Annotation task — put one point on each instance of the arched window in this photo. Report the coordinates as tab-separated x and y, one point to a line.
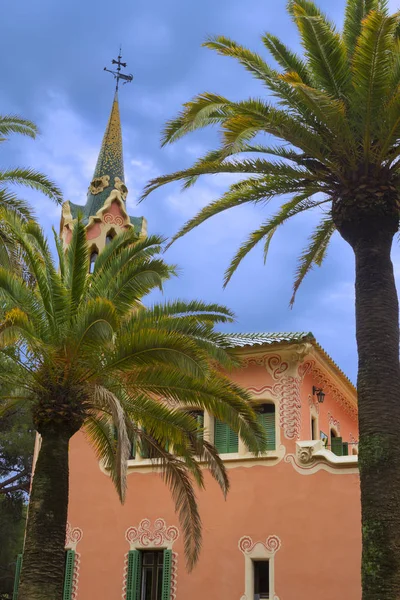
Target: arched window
266	417
93	257
110	236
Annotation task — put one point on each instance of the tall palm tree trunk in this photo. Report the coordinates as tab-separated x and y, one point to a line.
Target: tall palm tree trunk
43	563
377	331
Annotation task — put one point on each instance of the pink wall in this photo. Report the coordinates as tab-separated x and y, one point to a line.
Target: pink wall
316	516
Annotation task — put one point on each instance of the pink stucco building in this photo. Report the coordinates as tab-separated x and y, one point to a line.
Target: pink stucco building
290	527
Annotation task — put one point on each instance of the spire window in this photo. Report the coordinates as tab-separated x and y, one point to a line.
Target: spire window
110	236
93	257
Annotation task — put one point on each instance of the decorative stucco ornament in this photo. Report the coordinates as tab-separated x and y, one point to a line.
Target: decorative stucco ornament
121	187
98	184
305	454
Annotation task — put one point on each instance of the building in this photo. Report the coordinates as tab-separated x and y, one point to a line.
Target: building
290	527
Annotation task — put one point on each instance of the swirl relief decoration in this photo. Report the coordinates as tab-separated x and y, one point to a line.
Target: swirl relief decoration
73	536
159	535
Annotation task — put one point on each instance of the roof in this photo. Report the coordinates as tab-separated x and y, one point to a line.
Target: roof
240	340
249	340
110	163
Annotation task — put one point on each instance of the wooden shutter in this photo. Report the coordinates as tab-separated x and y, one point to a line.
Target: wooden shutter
166	582
233	440
345	448
134	575
18	567
225	440
337	445
267	421
221	437
68	574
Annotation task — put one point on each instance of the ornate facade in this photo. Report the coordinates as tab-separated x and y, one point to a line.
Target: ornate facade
290	527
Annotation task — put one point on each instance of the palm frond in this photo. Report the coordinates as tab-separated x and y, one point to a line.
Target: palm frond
16	124
32	179
314	253
298	204
324	47
287	59
372	72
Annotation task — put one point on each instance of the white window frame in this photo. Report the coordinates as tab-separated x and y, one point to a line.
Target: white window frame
258	551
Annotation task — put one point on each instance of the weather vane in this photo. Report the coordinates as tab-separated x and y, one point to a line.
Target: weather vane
117	74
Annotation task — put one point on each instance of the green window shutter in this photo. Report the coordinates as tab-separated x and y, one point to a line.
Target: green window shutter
225	440
18	567
166	582
134	575
68	574
221	437
337	446
345	448
233	441
267	421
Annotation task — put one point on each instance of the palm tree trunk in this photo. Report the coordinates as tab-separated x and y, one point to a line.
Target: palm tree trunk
377	329
42	576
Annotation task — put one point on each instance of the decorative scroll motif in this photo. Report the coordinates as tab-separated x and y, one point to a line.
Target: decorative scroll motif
305	454
276	366
333	422
288	391
98	184
144	536
272	544
113	219
353	440
313	466
313	403
261	390
323	381
250	550
72	538
305	367
121	187
174	576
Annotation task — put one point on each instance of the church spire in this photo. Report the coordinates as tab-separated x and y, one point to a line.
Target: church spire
105	205
109	171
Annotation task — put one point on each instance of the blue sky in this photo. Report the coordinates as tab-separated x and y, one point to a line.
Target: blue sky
53	54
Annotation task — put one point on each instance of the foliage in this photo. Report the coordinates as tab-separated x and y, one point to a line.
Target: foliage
10	253
12	526
169	351
16	449
333	118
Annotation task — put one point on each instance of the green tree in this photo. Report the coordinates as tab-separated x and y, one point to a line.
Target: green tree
12	526
91	356
16	449
336	121
10	254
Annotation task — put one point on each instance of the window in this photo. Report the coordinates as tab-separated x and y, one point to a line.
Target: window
313	428
261	579
226	441
266	417
110	236
339	447
149	575
198	416
93	258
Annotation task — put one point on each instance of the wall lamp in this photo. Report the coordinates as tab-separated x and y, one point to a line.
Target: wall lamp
319	392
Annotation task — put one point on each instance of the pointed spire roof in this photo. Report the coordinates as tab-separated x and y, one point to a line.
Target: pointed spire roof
109	171
110	162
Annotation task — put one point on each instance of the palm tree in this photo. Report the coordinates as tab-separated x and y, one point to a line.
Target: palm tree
335	120
50	360
26	177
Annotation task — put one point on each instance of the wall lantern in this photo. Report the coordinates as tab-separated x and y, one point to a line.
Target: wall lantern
319	392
